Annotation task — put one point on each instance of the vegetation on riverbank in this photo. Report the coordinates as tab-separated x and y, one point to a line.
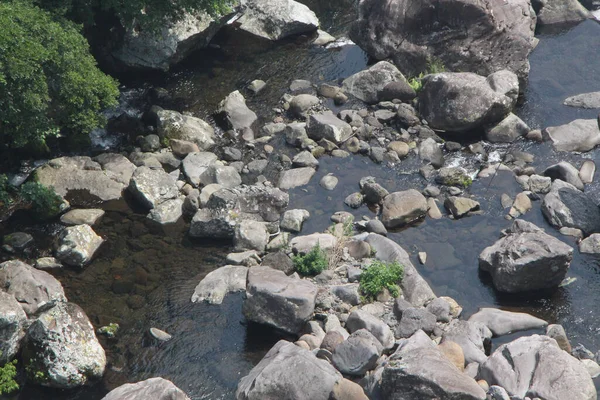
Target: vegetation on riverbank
379	276
43	202
8	372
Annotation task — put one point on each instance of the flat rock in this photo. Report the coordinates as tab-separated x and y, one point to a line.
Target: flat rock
584	100
218	283
295	177
414	319
304	244
502	322
401	208
460	206
153	388
580	135
82	216
151	187
328	126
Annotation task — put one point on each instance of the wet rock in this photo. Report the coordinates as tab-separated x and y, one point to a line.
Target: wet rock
277	300
302	103
256	86
295	177
521	205
414	288
565	206
433	212
77	245
453	176
275	20
561	12
366	85
409	374
500	35
220	282
557	332
526	259
328	126
472	337
151	187
441	309
173	125
401	208
251	235
167	212
153	388
507	130
363	320
295	134
82	216
358	354
581	353
304	159
535	366
293	219
17	241
579	135
414	319
565	172
61	349
584	100
288	371
459	102
328	182
429	151
460	206
104	179
374	192
323	38
13	321
160	335
504	322
399	89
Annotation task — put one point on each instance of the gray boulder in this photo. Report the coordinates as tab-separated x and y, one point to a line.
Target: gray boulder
274	299
12	327
401	208
526	259
357	354
235	113
218	283
151	187
301	103
473	337
565	172
195	165
507	130
463	101
460	206
328	126
579	135
305	159
223	175
275	20
251	235
167	212
502	322
419	371
304	244
293	219
77	245
360	319
289	372
82	216
565	206
366	85
61	349
535	366
413	320
104	179
591	244
584	100
498	35
153	388
414	288
173	125
561	12
430	151
295	177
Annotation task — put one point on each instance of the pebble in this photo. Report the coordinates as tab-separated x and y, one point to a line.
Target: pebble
422	257
160	335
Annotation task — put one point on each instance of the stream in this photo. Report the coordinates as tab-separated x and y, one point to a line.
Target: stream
144	276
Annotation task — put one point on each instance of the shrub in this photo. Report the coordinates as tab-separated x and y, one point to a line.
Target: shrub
7	378
312	263
45	203
434	66
379	276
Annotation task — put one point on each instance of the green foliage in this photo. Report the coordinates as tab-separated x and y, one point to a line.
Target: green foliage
7	378
312	263
145	14
109	330
5	197
434	66
43	201
379	276
49	82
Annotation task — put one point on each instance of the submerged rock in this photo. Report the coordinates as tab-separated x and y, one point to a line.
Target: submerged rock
153	388
77	245
579	135
61	349
584	100
220	282
526	259
82	216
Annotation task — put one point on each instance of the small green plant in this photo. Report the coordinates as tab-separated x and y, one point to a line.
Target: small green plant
312	263
434	66
379	276
36	375
7	377
45	203
109	330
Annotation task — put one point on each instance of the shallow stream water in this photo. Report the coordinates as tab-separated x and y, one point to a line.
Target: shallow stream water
144	275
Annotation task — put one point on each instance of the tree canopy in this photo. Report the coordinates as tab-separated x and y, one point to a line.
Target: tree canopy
49	81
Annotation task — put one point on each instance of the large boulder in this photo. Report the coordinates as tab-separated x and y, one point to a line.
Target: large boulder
151	187
418	370
12	327
289	372
401	208
235	113
173	125
462	101
34	290
277	19
295	177
526	259
77	245
534	366
61	349
502	322
477	36
103	179
414	288
565	206
153	388
366	85
579	135
566	172
172	43
274	299
358	354
561	12
218	283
